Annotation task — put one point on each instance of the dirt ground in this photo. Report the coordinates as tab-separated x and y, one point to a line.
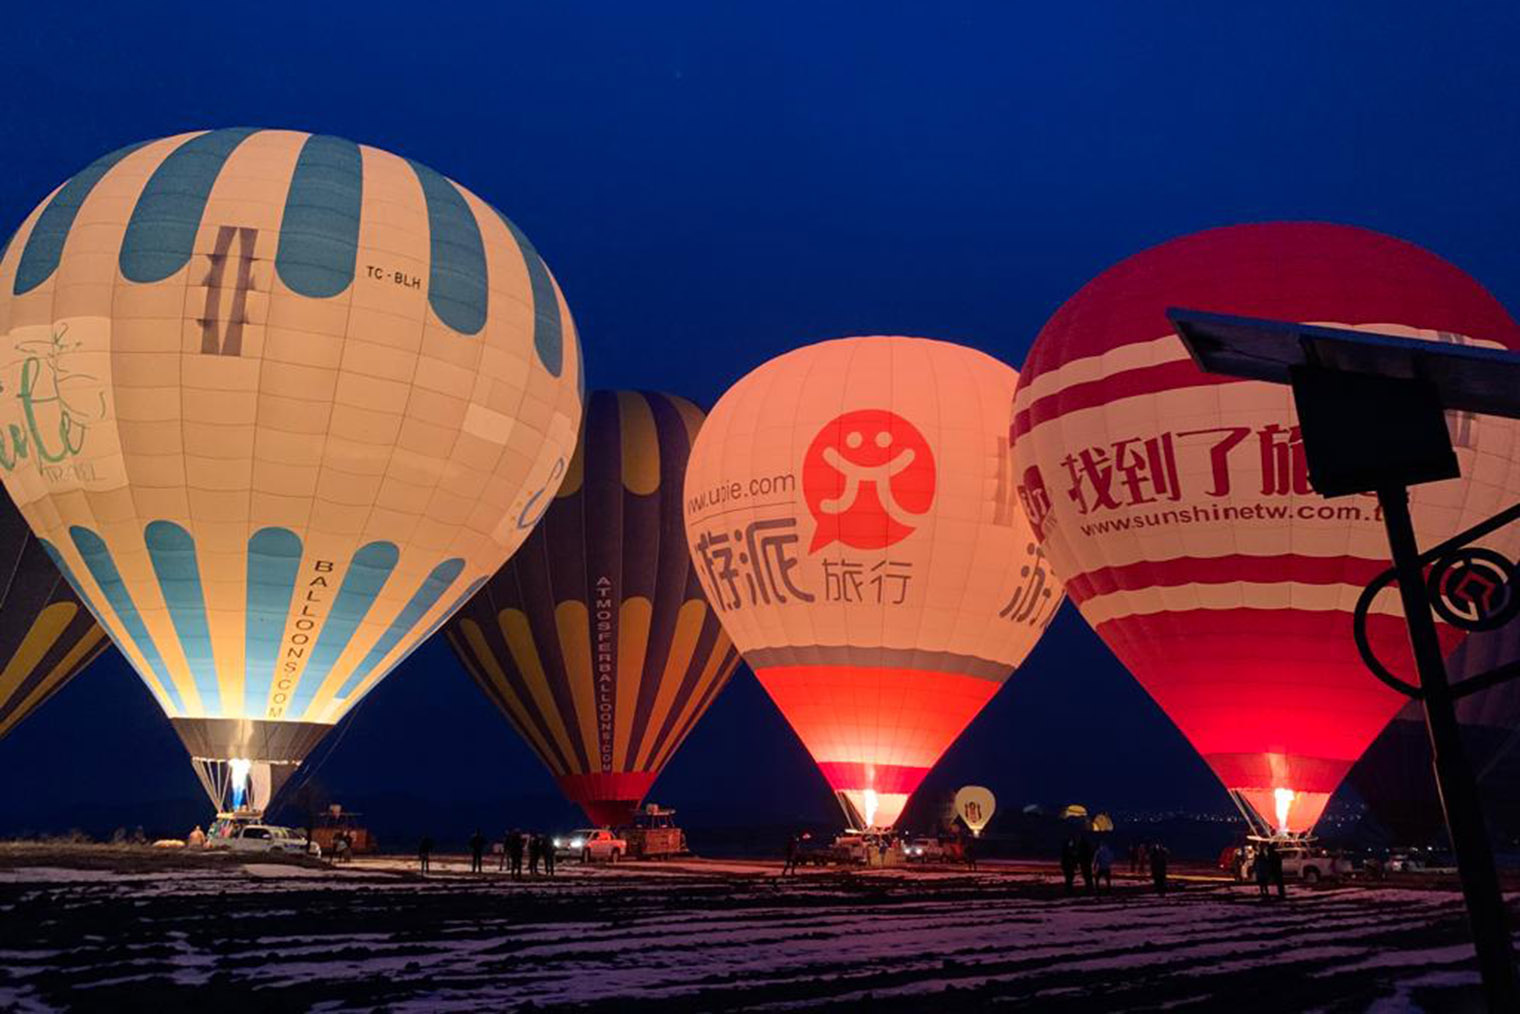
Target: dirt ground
94	928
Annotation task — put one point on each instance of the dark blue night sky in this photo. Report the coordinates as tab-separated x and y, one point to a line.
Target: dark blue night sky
715	183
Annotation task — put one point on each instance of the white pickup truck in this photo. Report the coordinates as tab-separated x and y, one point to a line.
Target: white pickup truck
1306	863
592	845
266	838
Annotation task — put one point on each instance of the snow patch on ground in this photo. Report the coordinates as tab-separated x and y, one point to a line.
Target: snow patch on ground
692	935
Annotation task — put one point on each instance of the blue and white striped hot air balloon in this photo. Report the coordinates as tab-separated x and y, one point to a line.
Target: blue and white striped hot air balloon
276	403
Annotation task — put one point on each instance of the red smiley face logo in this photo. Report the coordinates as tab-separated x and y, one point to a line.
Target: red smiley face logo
868	479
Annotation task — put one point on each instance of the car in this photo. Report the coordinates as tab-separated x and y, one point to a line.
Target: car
925	850
1420	861
591	845
867	848
265	838
813	851
1308	863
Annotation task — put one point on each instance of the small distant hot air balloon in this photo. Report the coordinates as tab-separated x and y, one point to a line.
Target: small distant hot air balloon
276	404
975	805
46	636
851	510
595	639
1176	505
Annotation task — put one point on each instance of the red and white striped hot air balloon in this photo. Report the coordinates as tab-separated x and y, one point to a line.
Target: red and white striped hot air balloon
1177	509
851	512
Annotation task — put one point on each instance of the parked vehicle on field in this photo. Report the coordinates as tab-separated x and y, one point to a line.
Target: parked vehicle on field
267	838
654	834
591	845
813	851
924	849
1304	861
865	848
1420	860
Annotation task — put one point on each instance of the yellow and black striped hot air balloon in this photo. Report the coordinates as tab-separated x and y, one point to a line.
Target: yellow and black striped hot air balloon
276	404
46	636
596	640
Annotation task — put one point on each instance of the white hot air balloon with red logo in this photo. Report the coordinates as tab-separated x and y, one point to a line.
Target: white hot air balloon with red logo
1176	505
851	511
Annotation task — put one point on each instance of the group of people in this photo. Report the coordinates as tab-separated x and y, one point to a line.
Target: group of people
121	836
1267	869
535	846
1150	857
515	847
1096	864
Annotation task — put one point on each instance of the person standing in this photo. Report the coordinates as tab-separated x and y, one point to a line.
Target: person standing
1277	874
515	853
1069	863
1103	863
546	846
1261	870
425	852
477	852
535	853
793	847
1158	867
968	851
1085	860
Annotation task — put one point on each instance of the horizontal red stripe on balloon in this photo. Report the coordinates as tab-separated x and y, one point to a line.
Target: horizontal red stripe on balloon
1278	771
1286	635
1308	271
608	798
843	775
1186	570
1173	376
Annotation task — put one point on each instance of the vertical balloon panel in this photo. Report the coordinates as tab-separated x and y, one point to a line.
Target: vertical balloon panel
277	403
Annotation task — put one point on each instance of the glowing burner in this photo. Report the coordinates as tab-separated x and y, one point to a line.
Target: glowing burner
1284	800
871	805
240	767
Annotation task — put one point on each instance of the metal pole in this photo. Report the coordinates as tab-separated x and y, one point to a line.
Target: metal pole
1454	778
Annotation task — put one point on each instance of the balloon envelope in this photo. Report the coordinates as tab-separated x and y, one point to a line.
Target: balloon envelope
975	805
850	508
1177	509
595	639
276	403
46	636
1394	777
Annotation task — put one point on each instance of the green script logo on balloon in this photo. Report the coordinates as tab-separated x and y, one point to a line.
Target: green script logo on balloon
56	413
